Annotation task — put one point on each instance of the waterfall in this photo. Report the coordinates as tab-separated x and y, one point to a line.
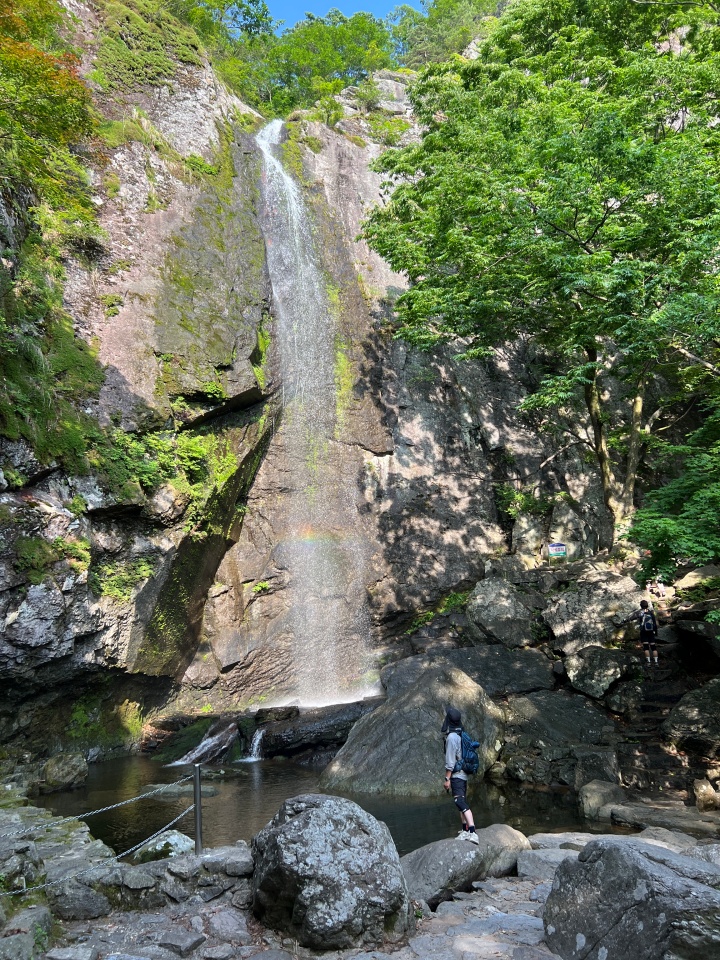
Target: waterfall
210	747
255	751
323	550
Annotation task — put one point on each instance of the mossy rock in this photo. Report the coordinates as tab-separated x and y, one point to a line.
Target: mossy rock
180	743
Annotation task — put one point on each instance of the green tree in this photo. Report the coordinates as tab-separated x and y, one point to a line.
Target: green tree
567	189
446	27
333	49
677	523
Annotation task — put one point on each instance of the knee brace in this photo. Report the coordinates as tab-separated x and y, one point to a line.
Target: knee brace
462	804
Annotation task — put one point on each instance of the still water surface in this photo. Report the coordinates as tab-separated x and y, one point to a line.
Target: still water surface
251	796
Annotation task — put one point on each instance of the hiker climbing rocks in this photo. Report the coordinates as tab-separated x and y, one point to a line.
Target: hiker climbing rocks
455	777
648	630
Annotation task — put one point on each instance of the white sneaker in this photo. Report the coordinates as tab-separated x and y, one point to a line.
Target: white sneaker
472	837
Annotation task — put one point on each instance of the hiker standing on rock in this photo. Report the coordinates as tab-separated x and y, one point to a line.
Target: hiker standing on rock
648	630
455	778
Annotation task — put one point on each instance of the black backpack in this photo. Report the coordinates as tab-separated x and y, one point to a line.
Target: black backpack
470	761
646	622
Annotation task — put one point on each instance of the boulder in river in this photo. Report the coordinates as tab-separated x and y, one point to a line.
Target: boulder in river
171	843
309	733
64	772
558	737
328	874
633	901
593	796
398	749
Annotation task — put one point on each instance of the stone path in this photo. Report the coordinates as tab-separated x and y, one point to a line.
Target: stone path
498	920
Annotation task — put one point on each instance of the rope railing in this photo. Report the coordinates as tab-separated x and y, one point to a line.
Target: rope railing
91	813
103	864
97	866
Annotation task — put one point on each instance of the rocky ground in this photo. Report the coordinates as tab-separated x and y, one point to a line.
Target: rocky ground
508	897
499	918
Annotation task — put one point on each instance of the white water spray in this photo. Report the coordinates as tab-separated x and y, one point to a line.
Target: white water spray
255	748
324	552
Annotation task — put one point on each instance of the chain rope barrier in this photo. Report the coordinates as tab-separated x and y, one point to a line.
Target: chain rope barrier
92	813
105	863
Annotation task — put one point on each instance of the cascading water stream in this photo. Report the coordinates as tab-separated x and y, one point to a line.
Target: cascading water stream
210	747
323	552
255	748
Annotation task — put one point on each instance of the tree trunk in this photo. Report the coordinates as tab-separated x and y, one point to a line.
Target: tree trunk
634	450
594	407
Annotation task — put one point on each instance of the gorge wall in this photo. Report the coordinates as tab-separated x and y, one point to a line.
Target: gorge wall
161	580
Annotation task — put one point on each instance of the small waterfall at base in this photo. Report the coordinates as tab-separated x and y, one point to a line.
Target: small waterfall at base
255	749
324	551
214	743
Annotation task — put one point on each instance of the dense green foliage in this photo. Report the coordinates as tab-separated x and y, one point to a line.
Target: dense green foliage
44	109
445	27
678	522
312	60
567	189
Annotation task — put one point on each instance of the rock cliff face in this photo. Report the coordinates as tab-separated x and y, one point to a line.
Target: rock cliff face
161	578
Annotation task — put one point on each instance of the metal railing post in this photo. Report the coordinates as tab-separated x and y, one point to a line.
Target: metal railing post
198	809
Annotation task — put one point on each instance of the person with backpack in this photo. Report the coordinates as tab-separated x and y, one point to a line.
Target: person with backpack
648	630
455	776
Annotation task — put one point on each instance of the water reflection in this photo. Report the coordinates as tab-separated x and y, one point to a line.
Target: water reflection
251	797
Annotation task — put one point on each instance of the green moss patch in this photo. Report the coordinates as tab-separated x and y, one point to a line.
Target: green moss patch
142	44
119	578
449	604
34	555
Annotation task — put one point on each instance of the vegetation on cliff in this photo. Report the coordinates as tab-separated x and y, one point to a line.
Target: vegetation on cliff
566	189
45	109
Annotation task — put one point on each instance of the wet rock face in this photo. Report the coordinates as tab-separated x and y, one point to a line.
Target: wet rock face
328	874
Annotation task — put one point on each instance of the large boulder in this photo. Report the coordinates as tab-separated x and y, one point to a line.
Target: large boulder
633	901
398	749
593	670
63	772
434	872
497	614
708	633
328	874
498	670
706	796
596	794
552	736
590	611
694	722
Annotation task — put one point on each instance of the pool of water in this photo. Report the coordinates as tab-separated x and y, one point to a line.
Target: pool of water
252	793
